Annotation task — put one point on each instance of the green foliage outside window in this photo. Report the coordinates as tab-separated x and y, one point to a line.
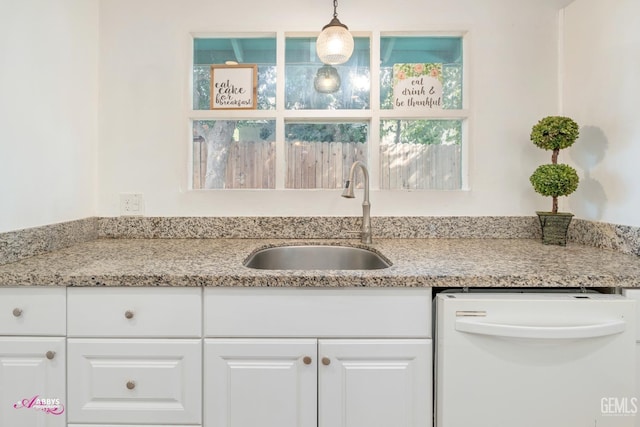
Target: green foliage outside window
327	132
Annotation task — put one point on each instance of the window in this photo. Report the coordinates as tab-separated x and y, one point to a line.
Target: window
244	154
306	136
302	66
319	155
421	153
209	51
230	151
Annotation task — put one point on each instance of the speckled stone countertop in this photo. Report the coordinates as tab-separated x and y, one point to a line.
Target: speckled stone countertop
416	263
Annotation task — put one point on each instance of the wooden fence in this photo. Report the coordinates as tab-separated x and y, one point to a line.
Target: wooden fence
327	164
420	167
249	165
321	164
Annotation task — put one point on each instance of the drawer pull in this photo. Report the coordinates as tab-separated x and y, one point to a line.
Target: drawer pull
306	360
17	312
131	385
128	314
326	361
50	354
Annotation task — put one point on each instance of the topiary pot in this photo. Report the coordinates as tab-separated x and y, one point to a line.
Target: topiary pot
554	227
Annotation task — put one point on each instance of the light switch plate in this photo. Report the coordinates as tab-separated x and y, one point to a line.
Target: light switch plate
131	204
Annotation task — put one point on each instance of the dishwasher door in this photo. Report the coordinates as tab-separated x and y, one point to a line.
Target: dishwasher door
535	360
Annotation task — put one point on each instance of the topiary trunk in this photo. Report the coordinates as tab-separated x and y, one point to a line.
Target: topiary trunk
554	160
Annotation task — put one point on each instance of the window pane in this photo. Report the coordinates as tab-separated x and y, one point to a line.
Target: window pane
301	70
233	154
420	154
261	51
446	51
319	155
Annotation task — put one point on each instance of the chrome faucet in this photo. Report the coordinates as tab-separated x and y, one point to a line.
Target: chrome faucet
365	234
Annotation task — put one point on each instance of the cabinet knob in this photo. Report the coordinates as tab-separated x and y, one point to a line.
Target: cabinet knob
306	360
128	314
50	354
326	361
131	385
17	312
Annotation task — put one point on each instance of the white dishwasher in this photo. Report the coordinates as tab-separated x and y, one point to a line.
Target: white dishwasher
534	360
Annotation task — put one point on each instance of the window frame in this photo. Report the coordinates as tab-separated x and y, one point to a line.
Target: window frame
374	115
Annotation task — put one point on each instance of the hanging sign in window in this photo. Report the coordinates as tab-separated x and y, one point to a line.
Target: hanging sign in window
417	86
233	87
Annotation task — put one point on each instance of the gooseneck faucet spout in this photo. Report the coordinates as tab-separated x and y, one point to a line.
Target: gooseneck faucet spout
365	234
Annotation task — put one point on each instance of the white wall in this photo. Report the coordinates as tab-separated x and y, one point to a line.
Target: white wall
48	111
601	91
144	96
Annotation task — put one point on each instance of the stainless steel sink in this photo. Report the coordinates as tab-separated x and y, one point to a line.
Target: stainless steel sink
316	257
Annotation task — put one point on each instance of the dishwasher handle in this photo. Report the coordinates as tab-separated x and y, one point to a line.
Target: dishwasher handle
474	326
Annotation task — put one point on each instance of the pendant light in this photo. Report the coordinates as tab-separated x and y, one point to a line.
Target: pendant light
335	43
327	80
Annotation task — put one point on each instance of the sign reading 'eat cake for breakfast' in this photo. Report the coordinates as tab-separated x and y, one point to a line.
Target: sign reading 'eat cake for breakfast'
233	87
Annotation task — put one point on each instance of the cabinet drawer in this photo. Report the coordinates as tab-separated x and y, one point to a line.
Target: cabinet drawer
134	381
135	312
304	312
33	311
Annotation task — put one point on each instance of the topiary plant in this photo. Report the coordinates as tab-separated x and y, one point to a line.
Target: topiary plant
554	180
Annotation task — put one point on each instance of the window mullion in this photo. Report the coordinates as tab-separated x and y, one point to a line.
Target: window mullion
281	164
374	125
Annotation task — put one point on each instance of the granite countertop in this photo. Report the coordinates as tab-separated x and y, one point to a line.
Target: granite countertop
416	263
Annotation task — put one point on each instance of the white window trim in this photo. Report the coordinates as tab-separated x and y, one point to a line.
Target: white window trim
373	116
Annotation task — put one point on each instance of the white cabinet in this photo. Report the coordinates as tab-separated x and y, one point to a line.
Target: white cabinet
32	357
260	382
374	383
36	311
286	357
302	362
302	382
635	294
32	381
313	312
134	381
136	355
135	312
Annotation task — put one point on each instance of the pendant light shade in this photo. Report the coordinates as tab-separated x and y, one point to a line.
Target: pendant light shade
335	43
327	80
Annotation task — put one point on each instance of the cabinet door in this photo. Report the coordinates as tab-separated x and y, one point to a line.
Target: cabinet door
375	383
32	368
635	295
260	382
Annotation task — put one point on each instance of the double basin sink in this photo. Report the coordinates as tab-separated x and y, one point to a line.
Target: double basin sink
316	257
